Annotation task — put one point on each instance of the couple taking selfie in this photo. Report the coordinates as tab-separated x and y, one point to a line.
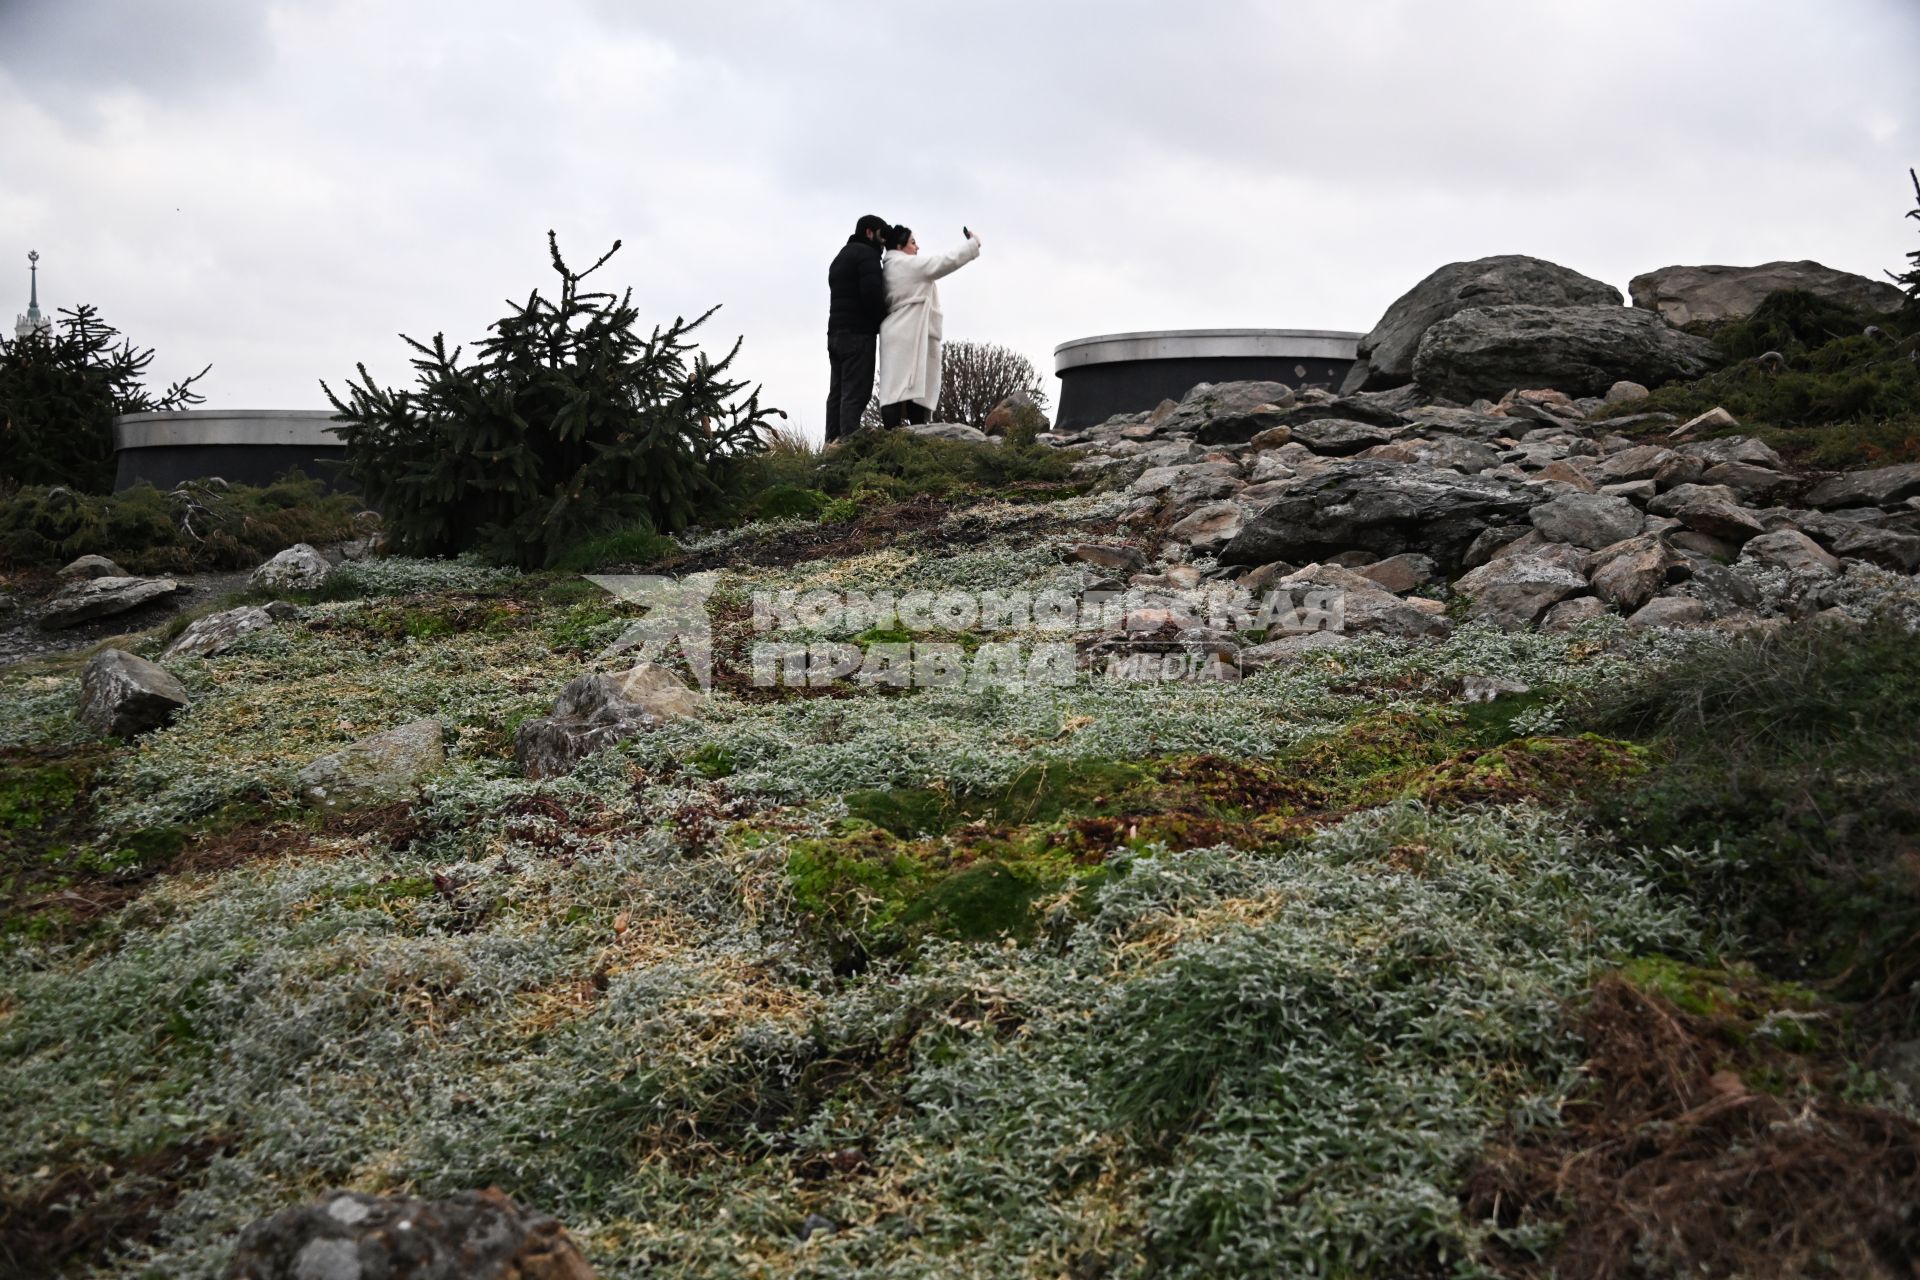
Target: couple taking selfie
882	289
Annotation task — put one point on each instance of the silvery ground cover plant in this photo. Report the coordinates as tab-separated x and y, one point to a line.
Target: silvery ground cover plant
1446	829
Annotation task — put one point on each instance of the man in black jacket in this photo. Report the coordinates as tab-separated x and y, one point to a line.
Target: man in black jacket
857	303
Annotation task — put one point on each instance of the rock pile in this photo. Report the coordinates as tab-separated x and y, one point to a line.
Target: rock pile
1525	512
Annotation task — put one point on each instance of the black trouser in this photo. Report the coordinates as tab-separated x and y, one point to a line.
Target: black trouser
851	386
891	415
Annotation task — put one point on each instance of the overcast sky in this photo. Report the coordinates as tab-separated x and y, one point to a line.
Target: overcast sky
282	188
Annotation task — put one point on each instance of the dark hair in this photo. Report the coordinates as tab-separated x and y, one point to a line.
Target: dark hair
897	237
870	222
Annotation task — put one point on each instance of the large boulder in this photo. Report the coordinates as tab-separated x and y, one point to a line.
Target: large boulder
92	598
596	711
124	694
1711	295
386	766
349	1235
1488	351
1386	353
298	568
1383	507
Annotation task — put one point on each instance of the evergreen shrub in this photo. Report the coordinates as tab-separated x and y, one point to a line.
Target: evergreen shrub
569	424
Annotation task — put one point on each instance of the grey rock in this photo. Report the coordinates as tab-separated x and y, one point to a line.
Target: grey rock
1733	449
385	766
1580	350
1477	688
93	598
949	431
1569	614
1387	352
1590	520
1382	507
1695	543
1711	295
1709	510
1636	491
1628	574
1338	437
1855	539
1408	571
1116	556
1745	478
298	568
1514	591
124	694
1210	526
349	1235
597	710
1217	412
91	566
1880	487
1669	611
1365	609
1788	549
1292	648
1678	470
1639	462
218	632
1625	392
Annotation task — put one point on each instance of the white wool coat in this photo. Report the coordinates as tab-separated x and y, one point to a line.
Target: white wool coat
910	336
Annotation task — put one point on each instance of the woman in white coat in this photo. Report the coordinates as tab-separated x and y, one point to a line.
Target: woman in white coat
910	336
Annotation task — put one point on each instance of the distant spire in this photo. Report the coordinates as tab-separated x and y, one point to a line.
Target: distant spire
32	322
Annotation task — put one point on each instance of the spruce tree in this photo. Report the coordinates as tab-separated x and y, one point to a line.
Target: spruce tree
59	393
569	421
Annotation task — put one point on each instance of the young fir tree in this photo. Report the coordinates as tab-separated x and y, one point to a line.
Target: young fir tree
59	392
567	423
1911	280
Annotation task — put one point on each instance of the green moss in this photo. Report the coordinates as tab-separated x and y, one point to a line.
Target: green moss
30	796
786	501
637	544
713	761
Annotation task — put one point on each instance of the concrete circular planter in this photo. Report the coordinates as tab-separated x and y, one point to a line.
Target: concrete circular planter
1131	372
241	446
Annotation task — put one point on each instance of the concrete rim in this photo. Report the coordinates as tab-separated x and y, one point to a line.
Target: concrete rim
1202	344
312	428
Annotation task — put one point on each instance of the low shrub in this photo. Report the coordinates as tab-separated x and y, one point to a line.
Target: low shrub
1792	754
201	525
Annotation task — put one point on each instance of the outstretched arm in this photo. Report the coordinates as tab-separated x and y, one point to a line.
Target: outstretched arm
935	265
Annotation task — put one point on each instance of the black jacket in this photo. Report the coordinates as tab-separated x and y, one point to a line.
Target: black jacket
857	292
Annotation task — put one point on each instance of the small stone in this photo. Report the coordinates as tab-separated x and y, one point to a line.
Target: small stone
1669	611
125	695
385	766
1588	520
597	710
1514	591
92	567
298	568
1408	571
1118	557
1210	526
1571	613
1714	419
1475	688
1624	392
1788	549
